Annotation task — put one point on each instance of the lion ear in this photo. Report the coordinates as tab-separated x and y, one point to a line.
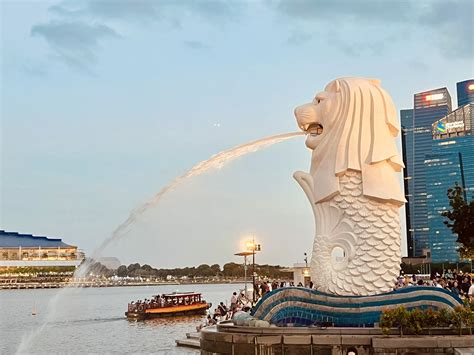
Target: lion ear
333	86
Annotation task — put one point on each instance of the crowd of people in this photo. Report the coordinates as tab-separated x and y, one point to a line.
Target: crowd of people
238	302
455	281
160	301
262	288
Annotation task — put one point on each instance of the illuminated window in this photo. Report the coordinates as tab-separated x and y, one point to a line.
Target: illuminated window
434	97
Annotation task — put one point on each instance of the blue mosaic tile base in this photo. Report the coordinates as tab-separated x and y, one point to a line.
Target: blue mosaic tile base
299	306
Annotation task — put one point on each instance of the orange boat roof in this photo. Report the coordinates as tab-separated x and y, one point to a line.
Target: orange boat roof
181	294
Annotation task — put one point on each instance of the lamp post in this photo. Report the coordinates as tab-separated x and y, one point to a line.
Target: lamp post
245	254
251	246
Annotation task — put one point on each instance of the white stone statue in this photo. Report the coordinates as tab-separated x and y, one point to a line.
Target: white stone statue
353	187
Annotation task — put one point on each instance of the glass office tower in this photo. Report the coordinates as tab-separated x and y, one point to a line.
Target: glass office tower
465	91
438	150
443	172
451	162
429	106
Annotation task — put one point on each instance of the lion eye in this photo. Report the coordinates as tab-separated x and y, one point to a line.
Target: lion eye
319	100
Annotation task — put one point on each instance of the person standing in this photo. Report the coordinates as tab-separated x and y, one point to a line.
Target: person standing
470	293
233	302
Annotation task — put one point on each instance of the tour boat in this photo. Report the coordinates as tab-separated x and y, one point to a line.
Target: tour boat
168	305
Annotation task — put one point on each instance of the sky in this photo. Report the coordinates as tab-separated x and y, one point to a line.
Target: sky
104	102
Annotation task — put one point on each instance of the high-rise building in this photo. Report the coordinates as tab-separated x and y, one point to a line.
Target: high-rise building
429	106
438	149
451	162
465	91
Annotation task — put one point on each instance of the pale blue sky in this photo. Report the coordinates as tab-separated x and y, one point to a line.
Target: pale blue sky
103	102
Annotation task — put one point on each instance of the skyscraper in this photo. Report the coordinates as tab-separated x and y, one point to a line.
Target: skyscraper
465	91
429	106
438	149
451	162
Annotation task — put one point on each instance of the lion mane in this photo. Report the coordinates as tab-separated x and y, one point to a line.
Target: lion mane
361	137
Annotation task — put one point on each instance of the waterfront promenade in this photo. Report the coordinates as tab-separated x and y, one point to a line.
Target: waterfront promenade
15	284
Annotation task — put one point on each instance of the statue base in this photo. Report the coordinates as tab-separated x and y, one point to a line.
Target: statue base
298	306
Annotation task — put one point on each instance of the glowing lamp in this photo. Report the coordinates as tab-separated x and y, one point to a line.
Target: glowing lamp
470	87
250	246
434	97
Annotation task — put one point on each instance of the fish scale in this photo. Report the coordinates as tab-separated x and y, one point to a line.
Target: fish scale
374	256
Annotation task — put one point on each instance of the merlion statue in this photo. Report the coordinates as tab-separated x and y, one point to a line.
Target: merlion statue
353	187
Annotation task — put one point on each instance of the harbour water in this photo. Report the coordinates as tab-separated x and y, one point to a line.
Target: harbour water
91	320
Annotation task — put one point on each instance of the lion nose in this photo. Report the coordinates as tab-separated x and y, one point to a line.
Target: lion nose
305	115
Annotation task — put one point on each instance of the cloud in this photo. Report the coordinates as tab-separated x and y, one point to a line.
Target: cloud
197	45
147	10
449	22
126	10
35	70
298	38
335	9
80	27
76	42
454	27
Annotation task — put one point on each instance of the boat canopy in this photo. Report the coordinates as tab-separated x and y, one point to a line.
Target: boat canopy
180	294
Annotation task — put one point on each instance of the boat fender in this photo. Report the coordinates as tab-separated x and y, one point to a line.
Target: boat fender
140	308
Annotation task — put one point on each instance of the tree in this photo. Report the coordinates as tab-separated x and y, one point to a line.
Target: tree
216	269
204	270
122	271
233	269
461	220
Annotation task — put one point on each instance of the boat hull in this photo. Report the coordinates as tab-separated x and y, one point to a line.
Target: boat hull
199	309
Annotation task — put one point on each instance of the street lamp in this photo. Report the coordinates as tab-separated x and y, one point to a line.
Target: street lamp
245	254
252	247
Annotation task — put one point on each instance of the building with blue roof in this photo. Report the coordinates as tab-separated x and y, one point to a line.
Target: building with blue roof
17	249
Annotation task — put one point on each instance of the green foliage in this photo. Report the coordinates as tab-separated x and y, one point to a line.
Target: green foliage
230	270
461	219
122	271
416	320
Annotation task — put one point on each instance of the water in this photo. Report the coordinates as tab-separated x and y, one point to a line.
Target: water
91	320
217	161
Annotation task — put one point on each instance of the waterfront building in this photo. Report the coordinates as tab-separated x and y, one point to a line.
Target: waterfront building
429	106
301	274
26	250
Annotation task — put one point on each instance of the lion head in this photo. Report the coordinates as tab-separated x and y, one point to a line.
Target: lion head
352	124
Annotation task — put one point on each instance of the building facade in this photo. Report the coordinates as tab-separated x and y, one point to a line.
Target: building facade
465	91
438	149
24	250
429	106
451	163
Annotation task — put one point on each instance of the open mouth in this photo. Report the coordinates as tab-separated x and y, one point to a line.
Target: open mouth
314	129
